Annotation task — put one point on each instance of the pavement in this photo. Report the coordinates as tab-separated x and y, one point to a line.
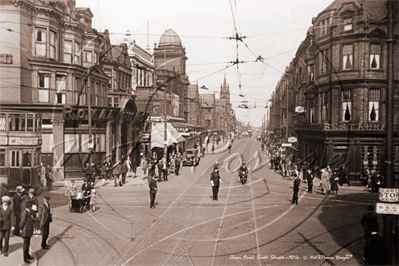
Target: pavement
15	254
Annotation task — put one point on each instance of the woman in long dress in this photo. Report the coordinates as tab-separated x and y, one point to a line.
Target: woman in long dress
325	181
43	174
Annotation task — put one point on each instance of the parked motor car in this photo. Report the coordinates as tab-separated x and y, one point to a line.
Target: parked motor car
191	157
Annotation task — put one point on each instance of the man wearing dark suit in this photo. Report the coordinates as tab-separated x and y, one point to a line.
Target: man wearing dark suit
370	223
116	173
124	171
45	216
26	225
86	189
16	203
215	181
153	190
296	190
6	223
32	198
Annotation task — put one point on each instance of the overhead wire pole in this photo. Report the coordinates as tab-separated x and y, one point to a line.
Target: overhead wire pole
389	180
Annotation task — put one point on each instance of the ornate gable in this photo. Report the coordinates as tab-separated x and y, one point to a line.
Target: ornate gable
348	9
378	31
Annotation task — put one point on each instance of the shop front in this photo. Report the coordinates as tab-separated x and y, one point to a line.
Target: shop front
67	139
356	146
20	149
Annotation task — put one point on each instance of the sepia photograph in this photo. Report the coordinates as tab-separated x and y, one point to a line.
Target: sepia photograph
199	132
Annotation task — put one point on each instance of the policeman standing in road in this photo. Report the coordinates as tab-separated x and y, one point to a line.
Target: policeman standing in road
215	181
153	190
297	182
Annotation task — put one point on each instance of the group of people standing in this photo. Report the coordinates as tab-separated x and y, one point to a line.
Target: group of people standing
24	217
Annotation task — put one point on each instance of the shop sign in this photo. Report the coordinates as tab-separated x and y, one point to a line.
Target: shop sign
389	194
3	140
354	126
292	139
387	208
145	138
299	109
23	141
98	113
341	148
286	144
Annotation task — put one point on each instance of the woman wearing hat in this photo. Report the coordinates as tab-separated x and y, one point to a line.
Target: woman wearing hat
7	223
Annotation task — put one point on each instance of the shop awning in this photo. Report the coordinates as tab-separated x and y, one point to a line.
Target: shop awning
183	127
157	135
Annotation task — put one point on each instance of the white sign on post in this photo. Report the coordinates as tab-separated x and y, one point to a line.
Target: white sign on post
286	145
389	194
387	208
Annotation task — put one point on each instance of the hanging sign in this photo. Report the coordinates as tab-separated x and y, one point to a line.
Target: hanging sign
23	141
299	109
389	194
387	208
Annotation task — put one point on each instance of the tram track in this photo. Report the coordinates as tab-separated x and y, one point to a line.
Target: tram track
70	251
308	242
159	218
91	232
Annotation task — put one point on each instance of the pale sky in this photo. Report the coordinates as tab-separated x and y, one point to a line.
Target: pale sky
274	30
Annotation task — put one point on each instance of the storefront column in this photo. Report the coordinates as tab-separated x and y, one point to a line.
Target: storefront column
118	150
129	137
352	158
357	168
330	151
108	141
58	149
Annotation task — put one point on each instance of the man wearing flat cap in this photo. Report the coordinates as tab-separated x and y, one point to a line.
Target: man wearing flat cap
16	203
45	217
7	223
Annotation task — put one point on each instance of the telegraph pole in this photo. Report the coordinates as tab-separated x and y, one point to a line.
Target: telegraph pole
90	144
286	87
389	179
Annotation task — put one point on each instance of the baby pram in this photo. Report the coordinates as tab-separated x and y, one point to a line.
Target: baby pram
78	203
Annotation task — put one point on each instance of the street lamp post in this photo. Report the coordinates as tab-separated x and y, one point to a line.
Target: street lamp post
388	218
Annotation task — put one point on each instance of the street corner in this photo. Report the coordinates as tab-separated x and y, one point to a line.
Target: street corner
15	253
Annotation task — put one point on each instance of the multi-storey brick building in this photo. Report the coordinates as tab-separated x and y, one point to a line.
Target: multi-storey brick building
52	65
339	77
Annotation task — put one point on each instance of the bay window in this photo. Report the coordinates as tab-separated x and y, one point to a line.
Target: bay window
53	45
40	42
347	56
374	104
348	24
77	54
68	52
375	55
346	105
43	86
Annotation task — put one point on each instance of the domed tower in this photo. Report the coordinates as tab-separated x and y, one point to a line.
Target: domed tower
170	54
170	70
